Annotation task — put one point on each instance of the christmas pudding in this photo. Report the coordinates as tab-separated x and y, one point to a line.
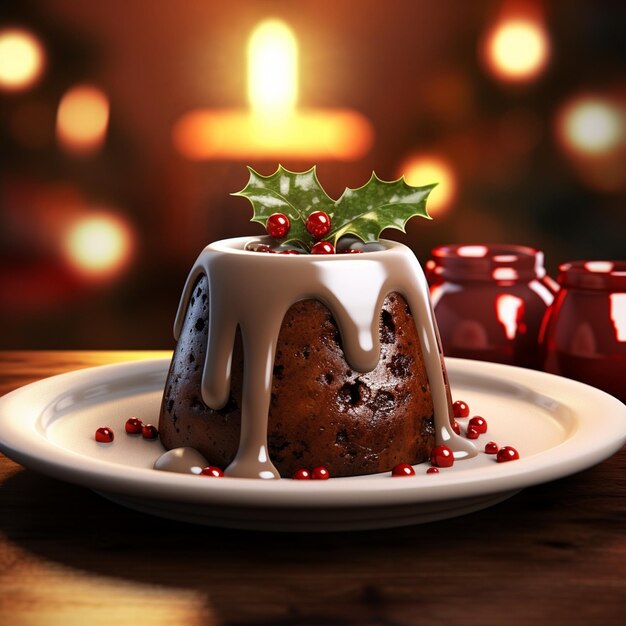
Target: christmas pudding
314	346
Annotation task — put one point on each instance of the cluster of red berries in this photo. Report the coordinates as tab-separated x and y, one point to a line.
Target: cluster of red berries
317	473
477	426
442	456
133	426
317	225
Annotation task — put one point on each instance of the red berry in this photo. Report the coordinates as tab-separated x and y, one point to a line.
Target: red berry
442	456
491	448
479	423
403	469
288	252
212	471
507	453
320	473
301	474
277	225
133	426
472	433
323	247
432	470
455	427
461	409
149	432
318	224
104	435
351	251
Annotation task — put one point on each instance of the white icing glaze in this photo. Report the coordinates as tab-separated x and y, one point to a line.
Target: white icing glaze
181	460
254	290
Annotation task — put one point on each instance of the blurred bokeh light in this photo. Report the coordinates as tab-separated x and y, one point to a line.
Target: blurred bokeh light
272	69
98	245
422	169
22	59
517	48
82	119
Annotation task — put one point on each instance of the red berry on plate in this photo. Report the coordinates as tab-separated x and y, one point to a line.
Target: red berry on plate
318	224
461	409
479	423
351	251
212	471
104	435
491	447
442	456
403	469
288	252
301	474
323	247
133	426
320	473
149	431
455	427
432	470
277	225
507	453
472	433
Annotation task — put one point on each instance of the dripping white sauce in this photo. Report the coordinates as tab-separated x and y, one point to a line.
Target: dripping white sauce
254	290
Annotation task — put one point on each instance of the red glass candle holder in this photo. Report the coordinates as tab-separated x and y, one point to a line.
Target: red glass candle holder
584	332
489	301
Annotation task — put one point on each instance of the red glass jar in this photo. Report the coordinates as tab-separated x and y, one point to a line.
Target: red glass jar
489	301
584	333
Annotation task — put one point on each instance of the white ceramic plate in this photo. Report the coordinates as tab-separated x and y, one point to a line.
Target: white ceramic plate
558	426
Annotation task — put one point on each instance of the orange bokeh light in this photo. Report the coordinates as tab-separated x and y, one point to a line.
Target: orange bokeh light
238	134
83	119
517	48
98	246
22	59
425	169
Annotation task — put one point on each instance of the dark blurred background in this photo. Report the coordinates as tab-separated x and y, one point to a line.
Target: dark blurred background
109	189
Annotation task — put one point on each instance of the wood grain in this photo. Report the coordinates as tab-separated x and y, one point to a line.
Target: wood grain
554	554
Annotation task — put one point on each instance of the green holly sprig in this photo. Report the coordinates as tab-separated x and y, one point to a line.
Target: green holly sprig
363	212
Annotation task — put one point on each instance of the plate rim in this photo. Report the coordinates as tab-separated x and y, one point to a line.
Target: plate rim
20	440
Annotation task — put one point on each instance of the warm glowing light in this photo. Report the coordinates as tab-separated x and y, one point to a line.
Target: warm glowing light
21	59
592	125
509	310
517	48
618	314
273	128
82	119
99	245
272	69
340	134
426	169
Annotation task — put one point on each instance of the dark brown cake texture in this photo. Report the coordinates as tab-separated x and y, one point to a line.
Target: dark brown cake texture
322	412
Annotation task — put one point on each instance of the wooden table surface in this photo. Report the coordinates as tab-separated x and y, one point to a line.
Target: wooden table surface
553	554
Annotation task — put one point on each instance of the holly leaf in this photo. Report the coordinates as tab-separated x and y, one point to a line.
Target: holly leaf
296	194
366	211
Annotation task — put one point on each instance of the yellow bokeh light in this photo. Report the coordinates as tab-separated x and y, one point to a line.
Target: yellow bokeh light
21	59
83	119
99	245
517	49
592	125
272	69
426	169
